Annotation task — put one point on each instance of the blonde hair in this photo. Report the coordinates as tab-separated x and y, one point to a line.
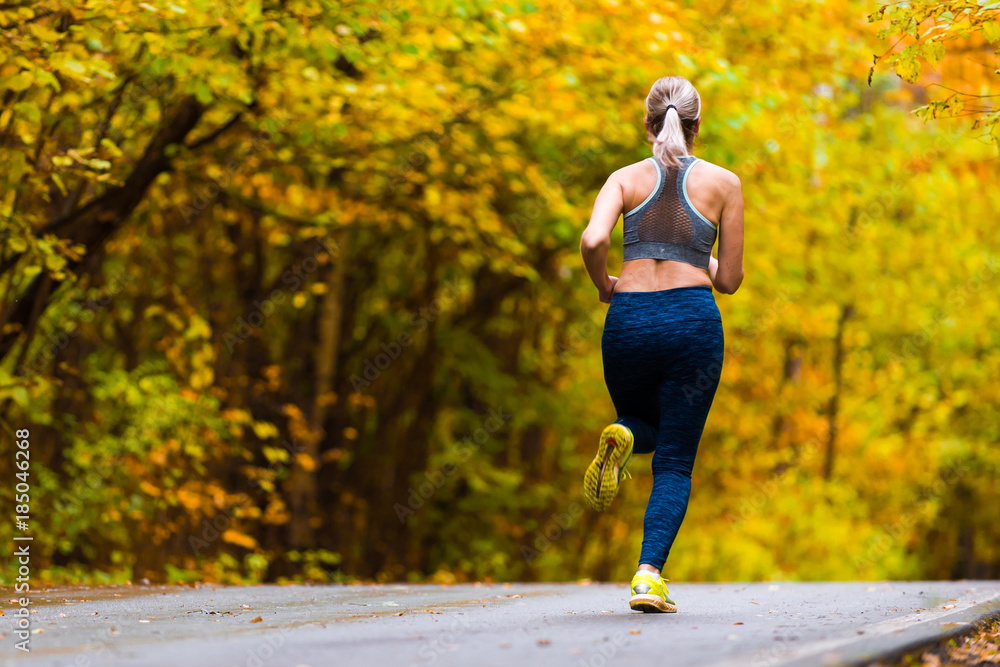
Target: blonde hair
672	128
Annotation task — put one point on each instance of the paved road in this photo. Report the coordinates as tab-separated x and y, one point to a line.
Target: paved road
560	625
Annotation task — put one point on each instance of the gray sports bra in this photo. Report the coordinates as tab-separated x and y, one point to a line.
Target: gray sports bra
666	225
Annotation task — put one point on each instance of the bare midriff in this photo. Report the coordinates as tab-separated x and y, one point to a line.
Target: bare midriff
653	275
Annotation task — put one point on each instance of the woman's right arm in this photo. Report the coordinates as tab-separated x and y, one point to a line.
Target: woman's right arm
596	237
727	272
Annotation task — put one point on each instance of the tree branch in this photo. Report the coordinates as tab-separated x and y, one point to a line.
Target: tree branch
216	134
93	224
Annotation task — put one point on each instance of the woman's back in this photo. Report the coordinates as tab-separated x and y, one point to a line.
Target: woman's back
704	189
711	192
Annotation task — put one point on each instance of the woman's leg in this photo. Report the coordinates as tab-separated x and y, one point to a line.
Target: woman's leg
633	385
645	434
690	378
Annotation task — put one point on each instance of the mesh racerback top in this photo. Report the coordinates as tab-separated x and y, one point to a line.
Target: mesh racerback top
666	225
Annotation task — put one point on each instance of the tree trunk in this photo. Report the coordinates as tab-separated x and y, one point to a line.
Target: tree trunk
302	481
834	405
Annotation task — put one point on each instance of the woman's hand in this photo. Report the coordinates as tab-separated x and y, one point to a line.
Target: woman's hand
609	289
713	269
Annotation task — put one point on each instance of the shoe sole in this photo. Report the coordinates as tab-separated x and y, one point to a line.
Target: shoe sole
651	604
600	483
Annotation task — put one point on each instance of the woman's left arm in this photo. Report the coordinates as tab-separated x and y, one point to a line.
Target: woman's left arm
597	236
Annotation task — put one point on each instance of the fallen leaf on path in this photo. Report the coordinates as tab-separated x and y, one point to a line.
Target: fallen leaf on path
400	613
738	623
544	642
931	660
754	602
515	596
634	632
258	619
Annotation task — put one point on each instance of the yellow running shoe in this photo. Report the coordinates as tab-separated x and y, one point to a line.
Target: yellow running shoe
649	594
600	482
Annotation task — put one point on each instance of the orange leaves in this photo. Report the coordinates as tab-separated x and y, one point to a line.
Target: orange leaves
361	400
238	538
237	416
190	499
276	512
298	427
305	462
150	489
292	411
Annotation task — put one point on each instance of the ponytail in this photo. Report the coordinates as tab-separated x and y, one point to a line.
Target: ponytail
673	105
670	141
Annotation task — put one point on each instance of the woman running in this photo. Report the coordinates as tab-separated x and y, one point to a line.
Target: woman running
662	343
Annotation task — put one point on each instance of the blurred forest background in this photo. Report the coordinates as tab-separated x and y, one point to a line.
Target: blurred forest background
291	290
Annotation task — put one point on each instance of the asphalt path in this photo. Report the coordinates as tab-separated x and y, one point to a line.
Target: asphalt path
576	624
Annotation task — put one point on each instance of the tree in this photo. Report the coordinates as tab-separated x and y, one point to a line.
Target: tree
294	291
961	37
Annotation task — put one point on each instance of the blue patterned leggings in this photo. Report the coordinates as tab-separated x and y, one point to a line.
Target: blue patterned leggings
663	355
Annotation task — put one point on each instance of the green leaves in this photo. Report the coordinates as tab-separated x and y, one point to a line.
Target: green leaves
932	51
203	92
28	111
907	68
991	31
18	82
